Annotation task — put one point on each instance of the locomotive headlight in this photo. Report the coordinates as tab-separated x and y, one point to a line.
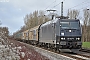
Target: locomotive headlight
62	38
62	34
77	38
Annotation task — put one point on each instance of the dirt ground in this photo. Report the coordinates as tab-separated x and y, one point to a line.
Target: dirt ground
26	53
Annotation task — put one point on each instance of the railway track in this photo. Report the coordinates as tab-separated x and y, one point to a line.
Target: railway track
75	55
57	54
85	50
80	56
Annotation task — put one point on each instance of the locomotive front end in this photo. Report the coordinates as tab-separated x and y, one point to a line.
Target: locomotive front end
70	34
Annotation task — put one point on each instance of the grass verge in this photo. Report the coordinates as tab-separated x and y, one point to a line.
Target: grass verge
86	45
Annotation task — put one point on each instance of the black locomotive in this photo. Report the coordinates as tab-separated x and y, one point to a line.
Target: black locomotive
61	33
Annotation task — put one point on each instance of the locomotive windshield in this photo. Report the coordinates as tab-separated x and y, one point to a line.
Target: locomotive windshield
69	25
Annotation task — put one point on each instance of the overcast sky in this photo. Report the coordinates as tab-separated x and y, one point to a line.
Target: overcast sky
12	12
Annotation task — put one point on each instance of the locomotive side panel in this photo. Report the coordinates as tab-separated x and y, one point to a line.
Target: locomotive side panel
47	34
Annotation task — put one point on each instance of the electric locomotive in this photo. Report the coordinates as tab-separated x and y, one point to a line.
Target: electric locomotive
61	33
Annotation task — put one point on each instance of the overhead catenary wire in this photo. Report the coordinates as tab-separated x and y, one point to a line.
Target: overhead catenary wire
84	7
58	4
84	2
69	8
78	4
55	5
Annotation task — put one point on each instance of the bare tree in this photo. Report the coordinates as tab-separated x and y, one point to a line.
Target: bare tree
73	14
34	19
4	31
31	20
86	25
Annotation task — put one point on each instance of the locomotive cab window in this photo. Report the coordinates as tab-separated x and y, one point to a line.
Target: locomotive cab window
70	25
74	25
64	24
